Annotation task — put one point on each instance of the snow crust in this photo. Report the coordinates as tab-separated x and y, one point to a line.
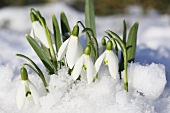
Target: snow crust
147	90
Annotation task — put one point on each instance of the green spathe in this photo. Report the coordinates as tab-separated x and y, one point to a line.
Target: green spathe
87	50
33	17
103	41
75	30
24	74
109	45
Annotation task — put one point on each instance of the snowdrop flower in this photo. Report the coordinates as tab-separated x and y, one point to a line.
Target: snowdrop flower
84	66
26	90
72	48
37	31
110	59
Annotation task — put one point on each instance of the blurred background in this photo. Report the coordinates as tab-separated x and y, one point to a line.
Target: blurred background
102	7
153	17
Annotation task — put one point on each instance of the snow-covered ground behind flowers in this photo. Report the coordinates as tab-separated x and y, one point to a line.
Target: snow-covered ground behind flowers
147	78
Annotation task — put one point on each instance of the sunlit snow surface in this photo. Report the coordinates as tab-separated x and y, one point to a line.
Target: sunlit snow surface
106	95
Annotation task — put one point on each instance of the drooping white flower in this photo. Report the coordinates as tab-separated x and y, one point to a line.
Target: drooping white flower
84	67
110	59
38	32
26	89
72	48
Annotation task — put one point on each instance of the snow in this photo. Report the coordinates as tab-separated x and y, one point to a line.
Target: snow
149	80
149	86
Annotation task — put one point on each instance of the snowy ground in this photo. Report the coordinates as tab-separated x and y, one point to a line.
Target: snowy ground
103	96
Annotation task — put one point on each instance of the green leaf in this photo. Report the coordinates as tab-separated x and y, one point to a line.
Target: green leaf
47	63
65	28
131	43
124	31
121	62
57	36
90	17
46	51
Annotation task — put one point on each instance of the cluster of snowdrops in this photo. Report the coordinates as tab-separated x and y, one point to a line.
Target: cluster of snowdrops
64	49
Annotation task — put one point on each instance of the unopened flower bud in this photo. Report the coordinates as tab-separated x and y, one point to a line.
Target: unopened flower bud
103	41
109	45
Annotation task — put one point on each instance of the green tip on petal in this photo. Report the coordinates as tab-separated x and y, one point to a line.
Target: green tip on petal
75	30
87	50
109	45
33	17
103	41
24	74
106	62
84	67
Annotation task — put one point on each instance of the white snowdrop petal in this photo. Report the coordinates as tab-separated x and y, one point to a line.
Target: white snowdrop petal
40	33
72	54
78	67
99	61
91	71
34	93
32	33
83	75
80	49
21	96
62	50
112	64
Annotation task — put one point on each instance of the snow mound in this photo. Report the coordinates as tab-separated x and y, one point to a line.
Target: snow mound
105	95
148	80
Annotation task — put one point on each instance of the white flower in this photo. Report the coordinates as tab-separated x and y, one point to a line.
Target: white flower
110	59
85	67
26	89
72	48
38	33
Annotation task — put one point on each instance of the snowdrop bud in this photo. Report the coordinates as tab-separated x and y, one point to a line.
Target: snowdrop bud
75	30
103	41
109	45
33	17
87	50
24	74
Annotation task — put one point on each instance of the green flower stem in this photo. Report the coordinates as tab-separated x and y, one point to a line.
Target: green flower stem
92	40
106	37
123	47
114	45
36	70
30	66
